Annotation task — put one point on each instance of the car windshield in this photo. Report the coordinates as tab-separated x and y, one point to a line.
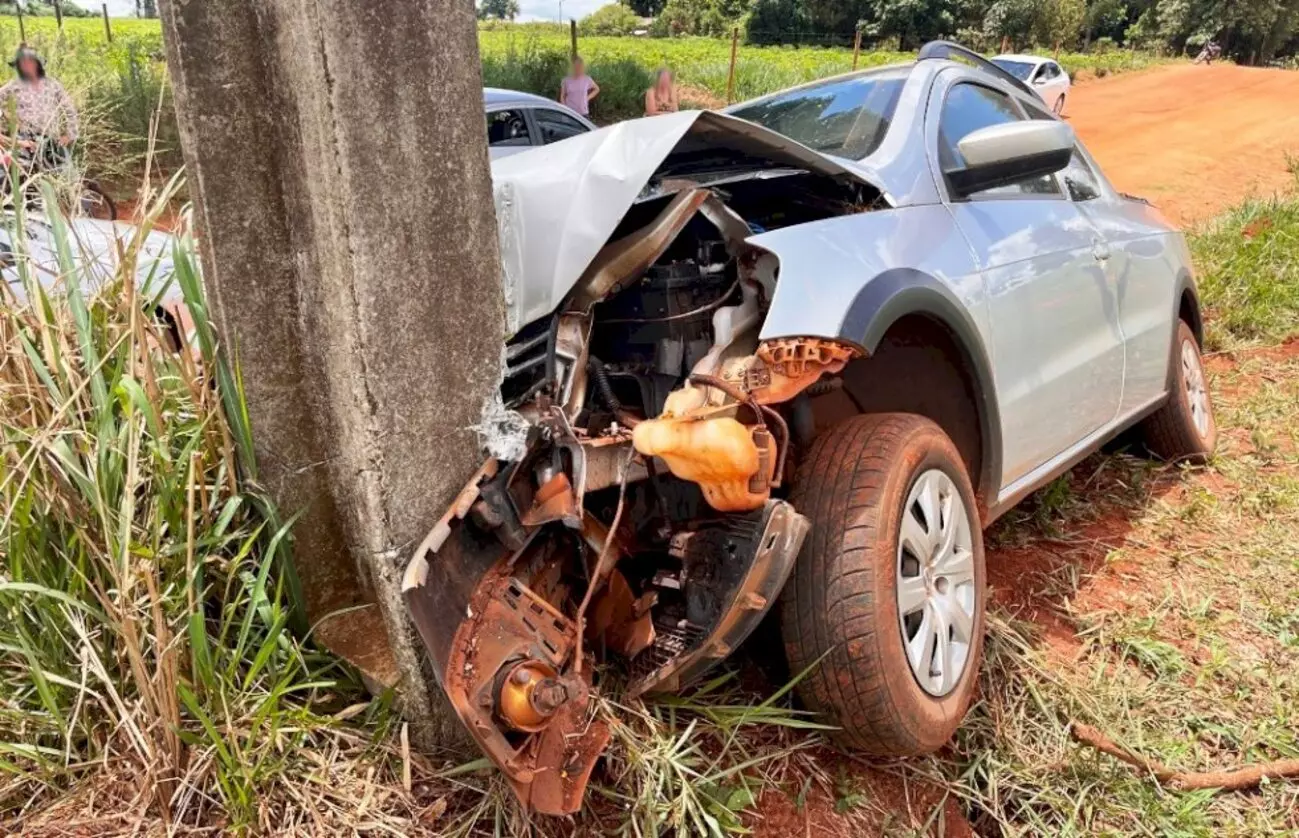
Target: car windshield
847	117
1019	69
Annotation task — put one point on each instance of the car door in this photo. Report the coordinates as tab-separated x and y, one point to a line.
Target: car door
508	132
1056	345
1048	82
1143	268
553	125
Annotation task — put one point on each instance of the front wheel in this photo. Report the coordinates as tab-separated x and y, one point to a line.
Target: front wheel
889	590
1058	108
1184	427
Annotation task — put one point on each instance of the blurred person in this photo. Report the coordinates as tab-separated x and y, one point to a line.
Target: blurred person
42	109
662	97
578	89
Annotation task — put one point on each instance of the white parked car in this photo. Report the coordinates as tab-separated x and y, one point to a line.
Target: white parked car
1047	78
520	121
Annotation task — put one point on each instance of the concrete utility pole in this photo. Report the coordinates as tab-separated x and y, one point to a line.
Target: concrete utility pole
337	158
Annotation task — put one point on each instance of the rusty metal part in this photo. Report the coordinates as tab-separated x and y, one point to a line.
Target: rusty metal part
631	255
568	749
607	460
529	695
572	347
553	501
603	565
620	620
742	591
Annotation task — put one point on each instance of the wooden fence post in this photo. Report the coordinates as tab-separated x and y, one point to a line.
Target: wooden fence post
856	47
730	75
108	27
22	29
572	36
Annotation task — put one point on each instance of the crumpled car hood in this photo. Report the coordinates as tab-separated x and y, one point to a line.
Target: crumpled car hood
556	206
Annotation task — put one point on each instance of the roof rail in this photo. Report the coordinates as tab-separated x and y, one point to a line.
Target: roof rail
949	50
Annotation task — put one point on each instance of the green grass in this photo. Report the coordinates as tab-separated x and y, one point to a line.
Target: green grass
1248	272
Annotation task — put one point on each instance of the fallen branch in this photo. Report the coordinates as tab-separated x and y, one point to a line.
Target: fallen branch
1245	777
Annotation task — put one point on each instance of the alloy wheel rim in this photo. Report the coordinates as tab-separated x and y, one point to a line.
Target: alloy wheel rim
1197	394
936	592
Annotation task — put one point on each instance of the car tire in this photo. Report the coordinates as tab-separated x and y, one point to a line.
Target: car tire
1184	427
840	609
1058	108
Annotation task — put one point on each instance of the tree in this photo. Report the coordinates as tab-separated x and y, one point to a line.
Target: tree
499	9
700	17
913	22
613	19
775	22
646	8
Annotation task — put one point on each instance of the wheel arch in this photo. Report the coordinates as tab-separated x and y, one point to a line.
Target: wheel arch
906	305
1188	307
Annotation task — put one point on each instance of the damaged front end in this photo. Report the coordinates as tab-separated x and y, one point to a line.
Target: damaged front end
640	536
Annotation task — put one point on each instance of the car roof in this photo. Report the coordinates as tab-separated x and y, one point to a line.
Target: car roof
500	96
1027	59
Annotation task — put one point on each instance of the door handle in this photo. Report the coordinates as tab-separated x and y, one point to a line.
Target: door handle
1100	250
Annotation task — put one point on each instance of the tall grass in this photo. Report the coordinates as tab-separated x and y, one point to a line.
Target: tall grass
145	601
120	88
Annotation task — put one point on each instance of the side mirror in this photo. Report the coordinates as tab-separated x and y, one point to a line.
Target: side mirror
1012	152
1040	80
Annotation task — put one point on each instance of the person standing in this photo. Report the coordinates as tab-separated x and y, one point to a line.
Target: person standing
578	89
662	96
42	108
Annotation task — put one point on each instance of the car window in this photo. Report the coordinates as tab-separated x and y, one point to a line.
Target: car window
507	128
555	125
1019	69
969	107
846	117
1051	70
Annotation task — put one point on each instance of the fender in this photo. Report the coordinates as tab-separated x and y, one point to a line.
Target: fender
851	278
905	291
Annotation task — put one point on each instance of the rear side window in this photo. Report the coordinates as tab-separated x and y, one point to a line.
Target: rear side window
555	126
507	128
969	107
845	117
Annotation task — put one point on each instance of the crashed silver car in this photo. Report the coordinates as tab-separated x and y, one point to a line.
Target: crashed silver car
802	353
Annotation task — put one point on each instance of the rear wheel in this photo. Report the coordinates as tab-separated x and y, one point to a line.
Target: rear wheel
889	590
1184	428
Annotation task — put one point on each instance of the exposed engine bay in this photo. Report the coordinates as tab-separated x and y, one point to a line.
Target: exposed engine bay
643	535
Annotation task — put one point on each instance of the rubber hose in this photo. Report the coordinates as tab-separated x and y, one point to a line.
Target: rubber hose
602	383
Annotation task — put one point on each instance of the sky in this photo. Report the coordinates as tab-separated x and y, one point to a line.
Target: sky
116	8
549	9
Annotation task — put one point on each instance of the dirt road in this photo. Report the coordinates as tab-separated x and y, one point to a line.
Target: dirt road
1192	139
